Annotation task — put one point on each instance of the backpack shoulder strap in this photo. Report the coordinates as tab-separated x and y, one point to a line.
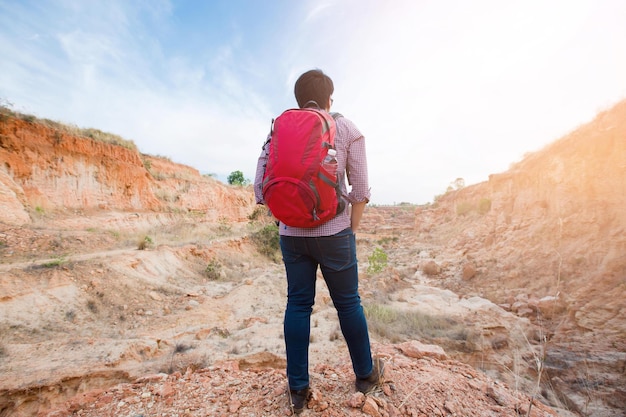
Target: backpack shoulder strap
336	115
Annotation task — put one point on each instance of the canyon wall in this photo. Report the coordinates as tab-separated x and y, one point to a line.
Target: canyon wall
547	240
44	169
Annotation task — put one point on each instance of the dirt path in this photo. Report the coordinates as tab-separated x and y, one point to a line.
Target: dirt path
79	248
42	263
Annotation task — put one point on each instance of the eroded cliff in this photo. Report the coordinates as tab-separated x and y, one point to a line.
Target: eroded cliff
47	169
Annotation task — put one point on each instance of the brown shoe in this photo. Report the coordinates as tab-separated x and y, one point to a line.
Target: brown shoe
374	381
298	399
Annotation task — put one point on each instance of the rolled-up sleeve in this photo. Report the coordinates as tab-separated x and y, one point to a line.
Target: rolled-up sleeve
260	171
356	166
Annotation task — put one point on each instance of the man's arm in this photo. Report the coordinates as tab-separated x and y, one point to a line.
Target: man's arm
356	214
260	171
356	171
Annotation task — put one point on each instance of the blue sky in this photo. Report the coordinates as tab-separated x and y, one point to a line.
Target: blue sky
440	89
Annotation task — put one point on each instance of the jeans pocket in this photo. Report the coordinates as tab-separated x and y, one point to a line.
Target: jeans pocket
339	251
293	249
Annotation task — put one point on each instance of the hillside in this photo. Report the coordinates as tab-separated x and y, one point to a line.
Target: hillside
547	240
132	285
47	170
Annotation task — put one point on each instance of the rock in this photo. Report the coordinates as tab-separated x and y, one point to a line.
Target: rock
370	407
550	306
431	268
234	405
356	400
415	349
202	334
469	271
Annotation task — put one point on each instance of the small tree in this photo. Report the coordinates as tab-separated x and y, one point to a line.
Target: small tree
237	178
457	184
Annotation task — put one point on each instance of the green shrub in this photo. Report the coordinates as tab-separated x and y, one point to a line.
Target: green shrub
377	261
54	263
388	239
267	241
258	214
145	243
213	270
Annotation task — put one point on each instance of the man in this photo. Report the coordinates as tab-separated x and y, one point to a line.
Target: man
332	247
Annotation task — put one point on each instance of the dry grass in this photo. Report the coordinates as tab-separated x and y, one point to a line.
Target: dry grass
60	128
400	325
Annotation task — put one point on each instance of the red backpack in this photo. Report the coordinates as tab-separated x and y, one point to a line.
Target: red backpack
296	188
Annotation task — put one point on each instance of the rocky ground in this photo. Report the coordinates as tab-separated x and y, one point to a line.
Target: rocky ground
149	314
416	384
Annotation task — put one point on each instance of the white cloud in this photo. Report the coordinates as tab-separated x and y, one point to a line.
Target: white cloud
457	89
440	89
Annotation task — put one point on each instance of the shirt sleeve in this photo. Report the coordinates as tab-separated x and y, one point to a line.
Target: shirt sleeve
260	171
356	165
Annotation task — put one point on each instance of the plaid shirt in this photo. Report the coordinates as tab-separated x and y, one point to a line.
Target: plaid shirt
351	159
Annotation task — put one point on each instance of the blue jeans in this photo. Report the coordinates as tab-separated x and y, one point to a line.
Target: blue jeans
336	257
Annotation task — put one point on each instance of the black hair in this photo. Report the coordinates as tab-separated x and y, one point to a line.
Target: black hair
313	87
